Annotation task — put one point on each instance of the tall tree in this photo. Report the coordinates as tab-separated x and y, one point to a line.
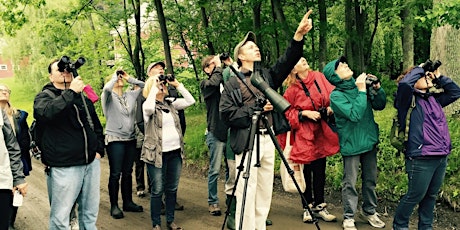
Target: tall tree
407	18
322	52
164	35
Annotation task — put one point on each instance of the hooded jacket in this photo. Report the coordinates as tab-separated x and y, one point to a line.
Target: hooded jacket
358	132
68	139
312	139
10	156
428	131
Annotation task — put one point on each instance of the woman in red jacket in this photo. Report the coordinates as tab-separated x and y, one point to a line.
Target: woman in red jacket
312	138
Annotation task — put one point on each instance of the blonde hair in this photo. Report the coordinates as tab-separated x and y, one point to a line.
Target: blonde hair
148	86
292	78
10	110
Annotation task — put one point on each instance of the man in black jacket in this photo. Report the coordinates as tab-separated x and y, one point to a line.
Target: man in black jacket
72	144
216	131
237	105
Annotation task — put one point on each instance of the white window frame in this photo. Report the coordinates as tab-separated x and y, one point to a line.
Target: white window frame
3	67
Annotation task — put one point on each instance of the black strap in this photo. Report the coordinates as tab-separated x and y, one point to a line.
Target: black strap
308	92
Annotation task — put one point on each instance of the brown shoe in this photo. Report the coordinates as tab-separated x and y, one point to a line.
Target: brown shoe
214	210
173	226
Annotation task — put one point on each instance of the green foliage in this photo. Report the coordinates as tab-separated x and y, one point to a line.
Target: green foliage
442	13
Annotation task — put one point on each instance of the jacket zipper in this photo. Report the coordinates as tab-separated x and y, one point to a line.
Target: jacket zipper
84	133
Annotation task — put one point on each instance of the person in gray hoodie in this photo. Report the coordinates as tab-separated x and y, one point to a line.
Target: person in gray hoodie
119	109
11	170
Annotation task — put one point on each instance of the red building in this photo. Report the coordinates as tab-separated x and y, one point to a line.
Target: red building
6	68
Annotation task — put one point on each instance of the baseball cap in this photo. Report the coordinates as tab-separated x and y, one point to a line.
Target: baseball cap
342	59
154	64
250	36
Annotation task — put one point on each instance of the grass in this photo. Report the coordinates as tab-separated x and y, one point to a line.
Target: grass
21	97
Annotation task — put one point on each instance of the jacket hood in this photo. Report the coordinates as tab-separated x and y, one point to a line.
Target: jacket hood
334	79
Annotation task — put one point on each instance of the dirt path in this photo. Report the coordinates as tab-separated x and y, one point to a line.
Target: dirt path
285	211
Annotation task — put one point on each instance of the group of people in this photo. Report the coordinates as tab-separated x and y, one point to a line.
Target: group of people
144	126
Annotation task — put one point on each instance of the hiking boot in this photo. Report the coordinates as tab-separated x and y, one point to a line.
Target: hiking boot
373	220
173	226
268	222
115	212
74	224
178	207
132	207
140	193
320	211
349	224
214	210
306	218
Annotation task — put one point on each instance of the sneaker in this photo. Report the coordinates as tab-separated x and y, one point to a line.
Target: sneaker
373	220
214	210
140	193
349	224
74	224
307	217
320	211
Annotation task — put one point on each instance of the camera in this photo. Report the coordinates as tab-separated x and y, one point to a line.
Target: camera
430	66
224	56
371	80
166	78
35	151
65	64
323	112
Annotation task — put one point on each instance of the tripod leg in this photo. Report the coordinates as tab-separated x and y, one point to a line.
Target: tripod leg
288	168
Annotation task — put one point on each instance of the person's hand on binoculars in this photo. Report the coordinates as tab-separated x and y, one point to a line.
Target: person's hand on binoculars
329	111
361	82
228	61
376	83
77	85
174	83
312	115
216	60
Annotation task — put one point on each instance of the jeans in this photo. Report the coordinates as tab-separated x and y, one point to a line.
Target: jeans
76	183
164	180
425	180
121	156
216	151
368	161
314	191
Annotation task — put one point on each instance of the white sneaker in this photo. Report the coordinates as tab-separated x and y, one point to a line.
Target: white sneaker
320	211
74	224
307	217
349	224
373	220
141	193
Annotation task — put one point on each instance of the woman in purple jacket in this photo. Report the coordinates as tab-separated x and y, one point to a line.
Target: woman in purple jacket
428	143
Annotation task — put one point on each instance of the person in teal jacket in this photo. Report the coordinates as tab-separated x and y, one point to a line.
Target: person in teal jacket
353	102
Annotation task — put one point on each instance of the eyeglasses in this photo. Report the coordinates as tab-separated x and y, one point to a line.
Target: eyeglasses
5	90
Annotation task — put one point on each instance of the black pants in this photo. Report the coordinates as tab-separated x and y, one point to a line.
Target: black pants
314	191
6	202
140	171
121	156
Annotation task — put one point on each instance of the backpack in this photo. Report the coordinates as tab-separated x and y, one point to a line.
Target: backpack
399	136
36	131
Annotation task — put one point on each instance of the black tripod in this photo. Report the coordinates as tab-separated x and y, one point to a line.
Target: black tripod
247	154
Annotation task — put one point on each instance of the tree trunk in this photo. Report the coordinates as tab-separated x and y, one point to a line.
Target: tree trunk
445	47
204	20
322	51
408	35
278	9
164	36
256	25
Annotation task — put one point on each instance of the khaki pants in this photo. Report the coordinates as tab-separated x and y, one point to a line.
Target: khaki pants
260	186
